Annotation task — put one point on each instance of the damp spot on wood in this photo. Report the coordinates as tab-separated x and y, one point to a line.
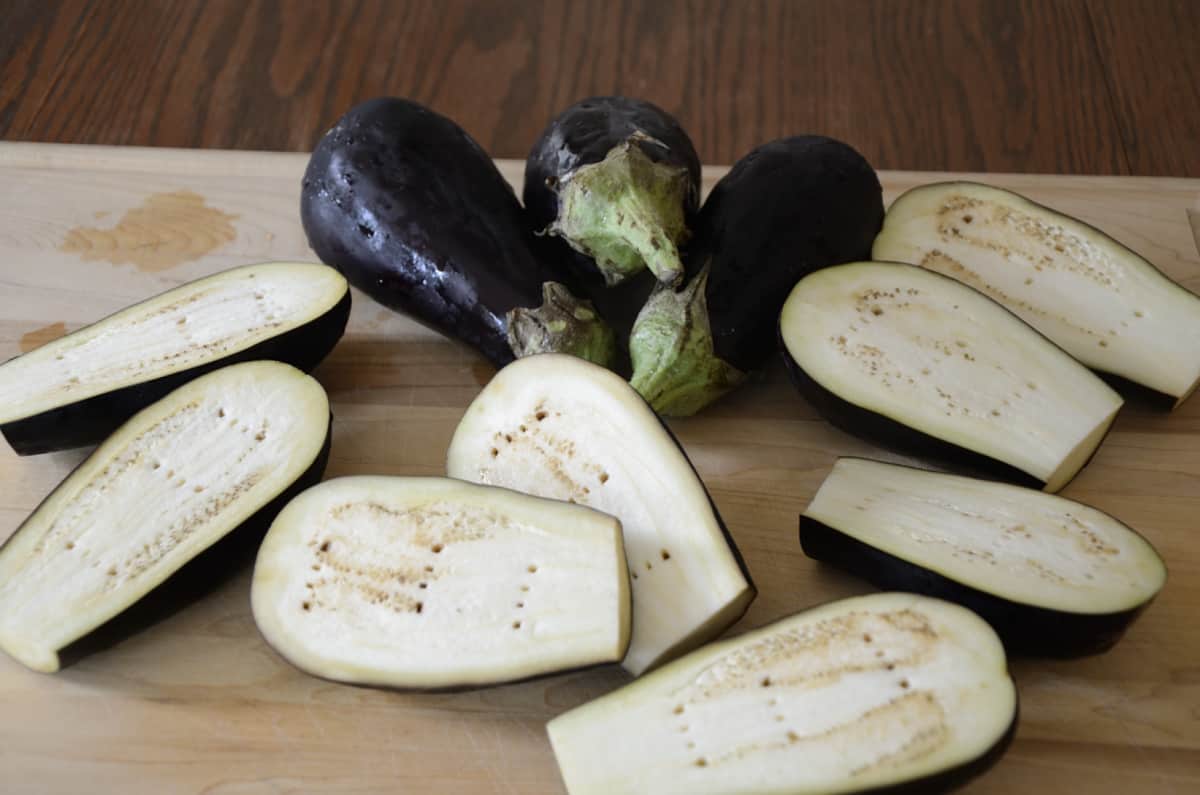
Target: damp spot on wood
166	230
482	373
40	336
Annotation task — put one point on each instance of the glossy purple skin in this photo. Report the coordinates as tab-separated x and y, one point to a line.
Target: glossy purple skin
788	208
414	213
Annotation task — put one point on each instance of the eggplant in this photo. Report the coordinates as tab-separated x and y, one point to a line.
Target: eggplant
914	360
415	214
187	475
618	181
1053	577
788	208
432	583
890	692
78	389
559	427
1101	302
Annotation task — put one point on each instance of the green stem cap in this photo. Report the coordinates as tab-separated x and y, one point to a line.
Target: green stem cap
626	212
562	324
674	366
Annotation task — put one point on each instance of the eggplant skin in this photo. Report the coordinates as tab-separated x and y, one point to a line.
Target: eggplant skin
1025	629
90	421
584	134
414	213
786	209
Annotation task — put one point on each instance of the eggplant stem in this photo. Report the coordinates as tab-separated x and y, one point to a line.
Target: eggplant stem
626	212
562	324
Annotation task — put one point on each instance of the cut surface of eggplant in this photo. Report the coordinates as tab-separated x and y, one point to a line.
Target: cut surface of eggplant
438	583
76	390
1104	304
1051	575
559	427
919	361
177	478
860	695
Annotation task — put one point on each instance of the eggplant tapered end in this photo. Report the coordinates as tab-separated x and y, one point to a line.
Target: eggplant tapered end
562	324
627	213
674	365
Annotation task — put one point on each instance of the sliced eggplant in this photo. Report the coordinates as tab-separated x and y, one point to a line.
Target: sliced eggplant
618	180
437	583
915	360
190	475
786	209
1052	576
1105	305
881	693
415	213
562	428
76	390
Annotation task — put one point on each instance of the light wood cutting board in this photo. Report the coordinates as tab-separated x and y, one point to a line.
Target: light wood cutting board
198	703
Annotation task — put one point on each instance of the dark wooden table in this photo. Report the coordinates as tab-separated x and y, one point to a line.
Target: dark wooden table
1074	86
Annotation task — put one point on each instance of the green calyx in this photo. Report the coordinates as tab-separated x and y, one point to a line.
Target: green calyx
562	324
674	366
626	212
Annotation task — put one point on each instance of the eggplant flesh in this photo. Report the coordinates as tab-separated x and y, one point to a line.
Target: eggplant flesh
1052	576
408	206
76	390
918	361
876	693
786	209
618	181
562	428
1104	304
436	583
181	476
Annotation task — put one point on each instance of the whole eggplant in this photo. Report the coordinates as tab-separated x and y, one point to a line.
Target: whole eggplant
414	213
786	209
618	180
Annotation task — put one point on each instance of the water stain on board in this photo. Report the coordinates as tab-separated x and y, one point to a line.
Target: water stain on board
40	336
168	229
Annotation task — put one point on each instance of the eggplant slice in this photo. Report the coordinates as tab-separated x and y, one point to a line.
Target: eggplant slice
1052	576
559	427
1104	304
76	390
214	457
437	583
862	695
916	360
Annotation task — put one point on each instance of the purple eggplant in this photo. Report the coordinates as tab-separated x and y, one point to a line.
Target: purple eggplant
414	213
788	208
617	180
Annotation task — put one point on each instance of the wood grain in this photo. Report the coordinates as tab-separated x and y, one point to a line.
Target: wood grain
198	703
984	85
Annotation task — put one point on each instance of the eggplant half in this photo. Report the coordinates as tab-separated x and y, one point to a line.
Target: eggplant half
618	180
915	360
788	208
76	390
1101	302
437	583
169	495
415	214
1052	576
560	427
884	693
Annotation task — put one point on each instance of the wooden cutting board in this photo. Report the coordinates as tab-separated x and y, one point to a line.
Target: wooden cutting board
198	703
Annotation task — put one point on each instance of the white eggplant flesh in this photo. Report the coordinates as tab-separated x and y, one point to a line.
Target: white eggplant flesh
1104	304
434	583
861	695
559	427
920	361
168	485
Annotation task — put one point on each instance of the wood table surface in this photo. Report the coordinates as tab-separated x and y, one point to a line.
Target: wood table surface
1051	86
199	704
